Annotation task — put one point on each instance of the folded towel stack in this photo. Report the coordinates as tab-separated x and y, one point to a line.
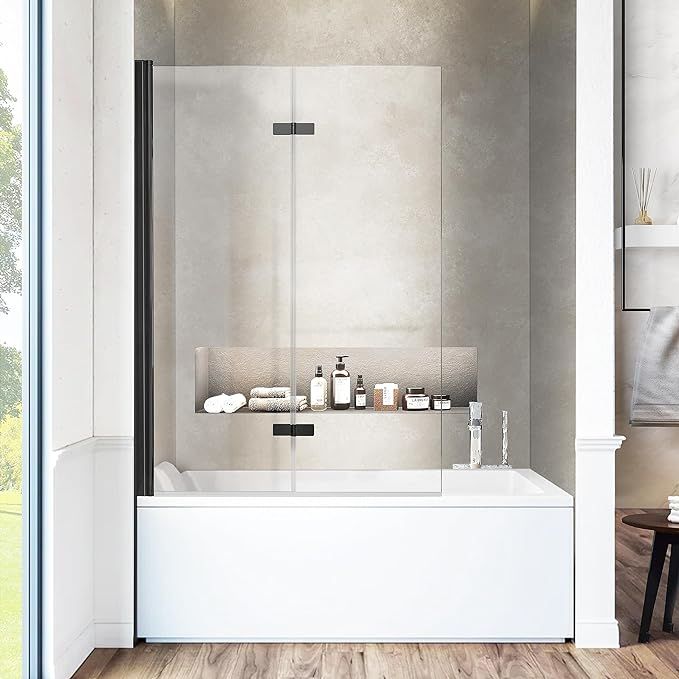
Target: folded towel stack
270	392
274	400
223	403
674	509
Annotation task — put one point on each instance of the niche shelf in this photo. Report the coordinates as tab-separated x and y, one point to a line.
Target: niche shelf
648	236
456	410
439	370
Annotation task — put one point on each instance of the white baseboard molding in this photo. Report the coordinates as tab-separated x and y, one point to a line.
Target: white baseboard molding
113	634
597	634
114	542
70	658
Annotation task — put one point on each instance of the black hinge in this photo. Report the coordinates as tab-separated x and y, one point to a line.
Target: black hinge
294	128
293	430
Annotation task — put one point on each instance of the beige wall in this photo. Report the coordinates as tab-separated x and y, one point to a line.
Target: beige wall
648	462
552	239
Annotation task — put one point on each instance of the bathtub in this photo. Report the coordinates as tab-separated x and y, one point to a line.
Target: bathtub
490	558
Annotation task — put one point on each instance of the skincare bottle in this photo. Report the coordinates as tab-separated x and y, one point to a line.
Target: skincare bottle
318	392
340	386
360	396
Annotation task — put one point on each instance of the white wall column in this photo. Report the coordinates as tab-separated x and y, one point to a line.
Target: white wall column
113	214
67	559
596	443
88	545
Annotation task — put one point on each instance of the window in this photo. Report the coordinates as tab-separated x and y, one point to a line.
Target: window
19	338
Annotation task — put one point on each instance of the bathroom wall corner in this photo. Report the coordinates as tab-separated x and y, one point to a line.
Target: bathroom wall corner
552	239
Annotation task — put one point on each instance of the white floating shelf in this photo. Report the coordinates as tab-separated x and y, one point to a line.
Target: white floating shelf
648	236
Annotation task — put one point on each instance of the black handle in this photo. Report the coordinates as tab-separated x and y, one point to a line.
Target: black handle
293	429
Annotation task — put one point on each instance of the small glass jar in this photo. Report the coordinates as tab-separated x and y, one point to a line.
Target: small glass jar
440	402
415	399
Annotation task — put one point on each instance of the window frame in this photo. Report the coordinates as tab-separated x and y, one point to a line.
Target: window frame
32	172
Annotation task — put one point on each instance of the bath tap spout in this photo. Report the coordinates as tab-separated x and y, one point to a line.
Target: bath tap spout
475	426
505	439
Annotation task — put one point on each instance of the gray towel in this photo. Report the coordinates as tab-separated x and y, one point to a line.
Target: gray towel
275	405
270	392
655	396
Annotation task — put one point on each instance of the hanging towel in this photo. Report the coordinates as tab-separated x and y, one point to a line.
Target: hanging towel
276	405
270	392
655	395
223	403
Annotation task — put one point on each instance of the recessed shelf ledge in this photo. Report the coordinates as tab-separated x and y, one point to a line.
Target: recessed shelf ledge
458	410
648	236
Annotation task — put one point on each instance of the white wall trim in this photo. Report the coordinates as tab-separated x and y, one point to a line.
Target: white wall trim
83	447
113	634
117	443
88	551
595	443
597	634
113	603
68	558
73	654
601	445
595	623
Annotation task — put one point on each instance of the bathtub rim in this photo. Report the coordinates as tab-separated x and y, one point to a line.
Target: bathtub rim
550	496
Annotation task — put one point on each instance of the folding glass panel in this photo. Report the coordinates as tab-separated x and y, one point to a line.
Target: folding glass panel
222	268
367	284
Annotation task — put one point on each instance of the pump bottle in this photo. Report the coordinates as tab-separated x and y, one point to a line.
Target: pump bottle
340	386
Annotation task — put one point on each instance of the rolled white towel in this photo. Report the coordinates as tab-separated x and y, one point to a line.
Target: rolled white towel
223	403
234	403
674	516
215	404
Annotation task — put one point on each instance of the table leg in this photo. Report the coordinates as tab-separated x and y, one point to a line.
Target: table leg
660	543
672	583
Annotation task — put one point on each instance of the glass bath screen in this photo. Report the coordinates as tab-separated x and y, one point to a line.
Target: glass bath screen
222	270
277	248
368	273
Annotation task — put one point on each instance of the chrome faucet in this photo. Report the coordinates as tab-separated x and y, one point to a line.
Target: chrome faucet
505	439
475	426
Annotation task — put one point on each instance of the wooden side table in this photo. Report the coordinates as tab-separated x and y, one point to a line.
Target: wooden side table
665	534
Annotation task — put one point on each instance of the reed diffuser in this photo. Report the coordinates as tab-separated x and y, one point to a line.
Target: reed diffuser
644	178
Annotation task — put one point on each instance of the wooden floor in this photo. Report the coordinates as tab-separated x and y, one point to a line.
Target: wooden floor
659	658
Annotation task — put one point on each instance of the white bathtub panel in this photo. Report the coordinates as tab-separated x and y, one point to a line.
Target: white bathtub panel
351	573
